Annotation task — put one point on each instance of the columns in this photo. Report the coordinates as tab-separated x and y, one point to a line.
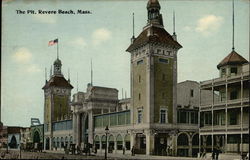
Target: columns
77	138
226	118
199	123
212	135
174	144
149	143
241	114
90	127
190	146
74	128
132	140
115	145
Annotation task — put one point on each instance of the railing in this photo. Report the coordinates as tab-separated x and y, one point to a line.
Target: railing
220	79
229	102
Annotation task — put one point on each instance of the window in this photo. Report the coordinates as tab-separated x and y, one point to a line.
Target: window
233	139
208	118
192	93
182	116
139	96
223	71
233	118
139	116
139	78
139	62
163	77
163	116
194	117
163	60
222	120
222	96
233	95
234	70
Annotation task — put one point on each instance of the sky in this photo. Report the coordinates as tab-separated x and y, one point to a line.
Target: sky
203	28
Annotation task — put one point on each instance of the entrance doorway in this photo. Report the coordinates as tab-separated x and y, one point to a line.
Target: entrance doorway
140	146
47	144
13	142
160	146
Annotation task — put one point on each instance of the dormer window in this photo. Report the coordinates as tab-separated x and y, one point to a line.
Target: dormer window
234	70
223	72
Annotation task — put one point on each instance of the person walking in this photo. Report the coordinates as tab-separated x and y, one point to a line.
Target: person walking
123	150
133	150
213	154
217	152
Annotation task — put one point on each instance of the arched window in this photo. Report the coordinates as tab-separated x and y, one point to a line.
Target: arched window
195	140
119	142
182	140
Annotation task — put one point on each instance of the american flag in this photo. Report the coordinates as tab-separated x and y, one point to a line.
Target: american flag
51	43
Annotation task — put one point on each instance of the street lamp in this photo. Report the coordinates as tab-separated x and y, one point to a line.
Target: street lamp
106	132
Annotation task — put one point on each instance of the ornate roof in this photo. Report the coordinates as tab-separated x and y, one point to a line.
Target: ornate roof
153	3
57	81
58	61
158	35
232	59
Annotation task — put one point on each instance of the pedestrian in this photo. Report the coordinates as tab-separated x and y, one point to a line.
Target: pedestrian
213	154
78	149
133	150
217	152
123	150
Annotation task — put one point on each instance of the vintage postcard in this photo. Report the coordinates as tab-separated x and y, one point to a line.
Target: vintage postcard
142	79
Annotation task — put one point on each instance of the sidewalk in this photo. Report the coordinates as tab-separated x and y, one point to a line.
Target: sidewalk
141	156
128	156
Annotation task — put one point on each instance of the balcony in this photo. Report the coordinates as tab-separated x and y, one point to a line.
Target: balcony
222	128
222	104
223	80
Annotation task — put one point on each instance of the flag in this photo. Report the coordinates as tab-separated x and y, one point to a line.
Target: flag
51	43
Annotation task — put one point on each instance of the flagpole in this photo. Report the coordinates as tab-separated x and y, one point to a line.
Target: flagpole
57	49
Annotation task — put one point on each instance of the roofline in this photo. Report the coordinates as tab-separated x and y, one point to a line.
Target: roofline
188	81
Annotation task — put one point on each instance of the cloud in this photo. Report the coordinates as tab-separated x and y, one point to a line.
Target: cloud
209	24
22	55
45	18
187	28
100	35
32	68
79	42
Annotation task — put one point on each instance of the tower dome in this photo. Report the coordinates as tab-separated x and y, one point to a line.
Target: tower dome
57	67
153	4
57	62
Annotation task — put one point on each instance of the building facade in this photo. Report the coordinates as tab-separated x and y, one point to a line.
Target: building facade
225	121
161	117
147	121
57	114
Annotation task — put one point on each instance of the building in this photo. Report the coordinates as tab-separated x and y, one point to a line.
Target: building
3	137
57	114
225	121
161	117
148	120
14	137
25	136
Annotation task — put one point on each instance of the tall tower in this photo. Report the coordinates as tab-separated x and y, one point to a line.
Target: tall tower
153	77
57	93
